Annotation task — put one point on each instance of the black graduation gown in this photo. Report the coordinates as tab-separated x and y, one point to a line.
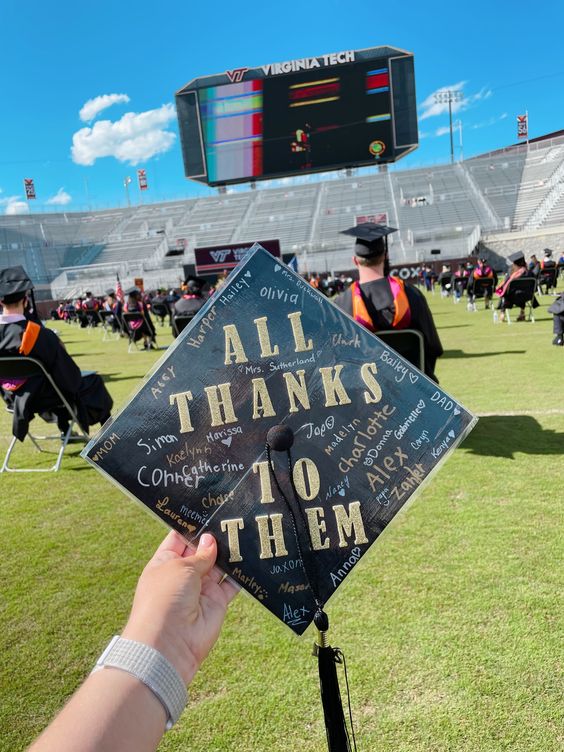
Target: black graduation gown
188	305
379	302
36	396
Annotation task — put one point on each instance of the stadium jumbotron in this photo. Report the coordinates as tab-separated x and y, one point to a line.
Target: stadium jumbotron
503	200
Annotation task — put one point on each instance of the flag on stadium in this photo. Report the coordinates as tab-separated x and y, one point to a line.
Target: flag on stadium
523	126
119	290
142	179
29	188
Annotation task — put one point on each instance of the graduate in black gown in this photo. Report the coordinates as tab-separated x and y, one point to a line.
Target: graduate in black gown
140	326
21	336
380	301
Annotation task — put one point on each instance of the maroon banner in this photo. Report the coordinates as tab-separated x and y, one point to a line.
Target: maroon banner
381	218
29	188
216	258
523	126
142	179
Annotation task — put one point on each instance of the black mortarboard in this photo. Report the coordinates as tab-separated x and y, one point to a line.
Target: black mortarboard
132	291
513	257
194	284
267	350
111	291
291	433
547	252
14	281
371	239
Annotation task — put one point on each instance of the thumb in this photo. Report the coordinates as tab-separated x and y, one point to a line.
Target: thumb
203	559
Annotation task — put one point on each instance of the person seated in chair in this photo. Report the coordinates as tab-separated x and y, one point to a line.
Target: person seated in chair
112	308
461	276
192	300
557	311
482	271
20	336
518	270
380	301
445	280
547	272
140	327
90	308
159	306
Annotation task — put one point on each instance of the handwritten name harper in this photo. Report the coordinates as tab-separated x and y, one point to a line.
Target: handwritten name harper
219	398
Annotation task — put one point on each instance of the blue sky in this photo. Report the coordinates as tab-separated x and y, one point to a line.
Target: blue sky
505	57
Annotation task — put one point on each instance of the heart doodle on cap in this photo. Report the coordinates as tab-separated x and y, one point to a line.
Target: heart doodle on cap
451	434
277	267
319	353
228	441
241	369
456	411
247	274
342	492
413	377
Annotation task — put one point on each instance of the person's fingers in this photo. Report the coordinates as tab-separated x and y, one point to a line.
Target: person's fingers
205	555
173	542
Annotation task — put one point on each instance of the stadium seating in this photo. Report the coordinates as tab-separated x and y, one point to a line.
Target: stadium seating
447	206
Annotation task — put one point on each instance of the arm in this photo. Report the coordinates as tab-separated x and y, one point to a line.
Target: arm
178	609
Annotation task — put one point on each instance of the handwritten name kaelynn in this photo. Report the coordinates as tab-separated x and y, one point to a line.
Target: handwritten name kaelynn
349	526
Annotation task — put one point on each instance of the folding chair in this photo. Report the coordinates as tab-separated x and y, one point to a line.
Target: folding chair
547	278
408	343
180	322
482	288
521	294
103	317
161	311
459	285
130	319
20	367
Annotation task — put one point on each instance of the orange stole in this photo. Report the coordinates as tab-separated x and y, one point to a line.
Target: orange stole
402	312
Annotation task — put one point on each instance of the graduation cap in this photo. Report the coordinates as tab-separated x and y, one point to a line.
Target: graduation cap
371	239
111	292
288	431
14	282
194	284
515	257
132	291
547	252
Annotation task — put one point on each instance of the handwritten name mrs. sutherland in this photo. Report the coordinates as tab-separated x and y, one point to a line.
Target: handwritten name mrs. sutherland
219	399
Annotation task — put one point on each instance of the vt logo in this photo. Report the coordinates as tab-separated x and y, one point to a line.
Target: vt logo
236	76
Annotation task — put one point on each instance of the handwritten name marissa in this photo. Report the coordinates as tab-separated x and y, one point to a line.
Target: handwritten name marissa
219	397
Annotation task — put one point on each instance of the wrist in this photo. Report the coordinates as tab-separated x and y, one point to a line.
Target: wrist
178	655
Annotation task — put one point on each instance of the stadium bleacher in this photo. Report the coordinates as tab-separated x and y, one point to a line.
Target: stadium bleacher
520	188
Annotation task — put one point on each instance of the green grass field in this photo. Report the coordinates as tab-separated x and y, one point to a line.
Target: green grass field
451	624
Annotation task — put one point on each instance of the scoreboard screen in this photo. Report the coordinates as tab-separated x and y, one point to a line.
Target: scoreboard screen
348	109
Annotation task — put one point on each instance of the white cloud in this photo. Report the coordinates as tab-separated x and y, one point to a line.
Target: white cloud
133	138
61	198
14	205
443	130
95	106
489	122
431	108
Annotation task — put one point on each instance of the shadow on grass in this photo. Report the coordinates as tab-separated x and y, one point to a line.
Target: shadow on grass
462	354
118	377
504	435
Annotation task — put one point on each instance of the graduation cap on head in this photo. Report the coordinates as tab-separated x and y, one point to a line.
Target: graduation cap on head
371	239
194	284
515	257
547	252
132	291
111	292
14	282
288	431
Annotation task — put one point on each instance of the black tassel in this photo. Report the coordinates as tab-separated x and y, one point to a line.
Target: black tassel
336	728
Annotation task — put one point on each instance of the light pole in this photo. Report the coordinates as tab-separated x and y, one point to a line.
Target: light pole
126	182
448	96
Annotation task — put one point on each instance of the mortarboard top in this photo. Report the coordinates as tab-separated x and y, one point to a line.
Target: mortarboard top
369	238
269	356
547	252
517	256
14	280
132	291
194	283
110	291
